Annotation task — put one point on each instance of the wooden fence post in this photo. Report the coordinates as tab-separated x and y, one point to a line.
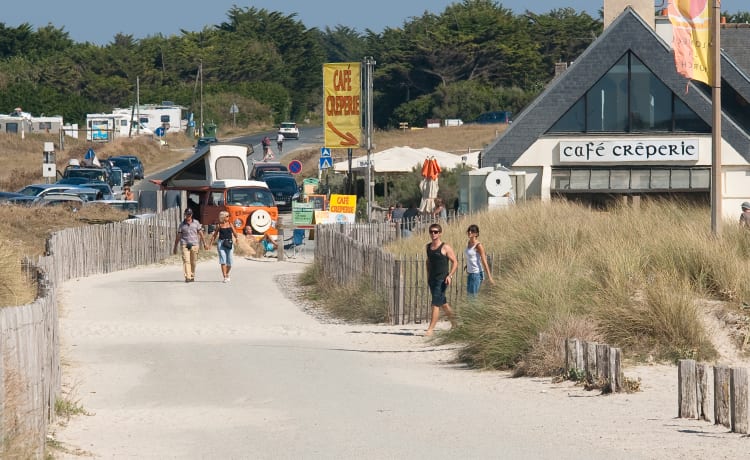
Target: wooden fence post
398	292
615	369
738	398
573	356
686	389
704	391
721	396
589	356
602	362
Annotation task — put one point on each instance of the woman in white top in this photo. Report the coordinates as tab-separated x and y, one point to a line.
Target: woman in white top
476	262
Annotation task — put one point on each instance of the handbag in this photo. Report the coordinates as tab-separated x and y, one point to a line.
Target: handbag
227	244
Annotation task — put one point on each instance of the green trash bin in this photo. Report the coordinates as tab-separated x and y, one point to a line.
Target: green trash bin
209	130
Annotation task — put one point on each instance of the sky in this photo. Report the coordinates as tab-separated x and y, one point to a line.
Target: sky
141	18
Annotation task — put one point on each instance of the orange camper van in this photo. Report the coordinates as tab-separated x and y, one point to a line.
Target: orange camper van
215	179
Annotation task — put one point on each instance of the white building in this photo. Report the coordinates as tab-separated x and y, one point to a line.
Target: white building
618	124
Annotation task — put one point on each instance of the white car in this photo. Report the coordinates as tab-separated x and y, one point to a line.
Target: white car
289	130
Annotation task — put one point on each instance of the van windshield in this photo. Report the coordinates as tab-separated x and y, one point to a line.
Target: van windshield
249	196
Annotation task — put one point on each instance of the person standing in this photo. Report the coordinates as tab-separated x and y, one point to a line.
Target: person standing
745	216
189	236
266	142
409	220
476	262
441	266
439	212
224	236
280	142
127	194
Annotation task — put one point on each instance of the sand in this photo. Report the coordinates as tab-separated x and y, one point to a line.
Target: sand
167	369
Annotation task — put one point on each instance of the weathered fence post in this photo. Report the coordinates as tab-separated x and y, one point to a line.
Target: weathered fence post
589	357
573	356
721	396
280	246
615	369
704	391
738	398
602	362
687	401
398	292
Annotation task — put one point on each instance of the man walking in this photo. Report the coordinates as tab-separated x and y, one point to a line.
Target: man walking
280	142
441	266
189	236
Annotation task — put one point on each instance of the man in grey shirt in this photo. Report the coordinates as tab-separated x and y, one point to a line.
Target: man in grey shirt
189	236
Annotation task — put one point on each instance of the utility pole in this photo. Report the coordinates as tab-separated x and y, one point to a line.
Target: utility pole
368	65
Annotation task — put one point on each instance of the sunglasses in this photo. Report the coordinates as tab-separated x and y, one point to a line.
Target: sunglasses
434	232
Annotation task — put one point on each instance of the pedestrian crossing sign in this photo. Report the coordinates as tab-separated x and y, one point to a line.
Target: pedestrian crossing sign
325	163
325	152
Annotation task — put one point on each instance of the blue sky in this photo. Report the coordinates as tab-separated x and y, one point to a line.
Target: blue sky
142	18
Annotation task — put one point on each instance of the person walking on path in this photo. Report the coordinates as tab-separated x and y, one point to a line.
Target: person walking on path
745	216
477	267
280	142
441	266
189	236
266	142
224	236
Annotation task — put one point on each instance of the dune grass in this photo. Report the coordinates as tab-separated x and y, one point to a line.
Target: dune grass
630	277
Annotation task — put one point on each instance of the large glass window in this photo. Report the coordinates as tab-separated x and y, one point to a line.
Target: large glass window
634	180
629	98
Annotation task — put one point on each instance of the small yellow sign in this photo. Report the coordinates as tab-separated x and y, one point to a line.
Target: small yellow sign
343	204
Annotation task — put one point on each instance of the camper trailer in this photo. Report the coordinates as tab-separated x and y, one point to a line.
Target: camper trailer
153	116
103	127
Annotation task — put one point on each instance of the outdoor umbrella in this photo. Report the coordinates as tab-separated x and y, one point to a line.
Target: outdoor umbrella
429	184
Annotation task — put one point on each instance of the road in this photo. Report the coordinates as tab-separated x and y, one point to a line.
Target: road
208	370
308	135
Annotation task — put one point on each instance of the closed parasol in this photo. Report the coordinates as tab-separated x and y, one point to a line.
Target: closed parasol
429	184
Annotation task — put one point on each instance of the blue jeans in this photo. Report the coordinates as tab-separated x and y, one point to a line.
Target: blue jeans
473	281
225	255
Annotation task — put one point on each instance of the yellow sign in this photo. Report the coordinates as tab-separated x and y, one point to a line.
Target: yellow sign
342	204
342	126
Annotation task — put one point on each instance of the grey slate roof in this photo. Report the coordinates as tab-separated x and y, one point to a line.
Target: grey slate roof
627	33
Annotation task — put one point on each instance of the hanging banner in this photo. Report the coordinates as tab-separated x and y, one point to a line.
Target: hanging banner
691	27
342	88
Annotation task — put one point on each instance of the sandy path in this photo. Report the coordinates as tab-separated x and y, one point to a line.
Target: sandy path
213	370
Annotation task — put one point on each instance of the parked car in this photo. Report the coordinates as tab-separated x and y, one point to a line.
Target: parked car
130	206
71	200
138	169
289	129
39	190
127	166
261	167
284	189
103	187
5	196
88	173
86	193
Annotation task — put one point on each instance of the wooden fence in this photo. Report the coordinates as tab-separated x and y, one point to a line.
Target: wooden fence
701	386
348	253
29	334
596	363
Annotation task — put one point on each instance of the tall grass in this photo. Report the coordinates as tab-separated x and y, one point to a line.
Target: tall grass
632	277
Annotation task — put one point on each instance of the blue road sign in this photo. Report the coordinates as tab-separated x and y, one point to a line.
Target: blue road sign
325	163
295	166
325	152
159	131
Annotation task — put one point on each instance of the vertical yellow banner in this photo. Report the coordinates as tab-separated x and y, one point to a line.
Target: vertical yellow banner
342	126
691	28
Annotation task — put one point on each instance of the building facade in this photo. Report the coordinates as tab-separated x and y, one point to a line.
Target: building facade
621	124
